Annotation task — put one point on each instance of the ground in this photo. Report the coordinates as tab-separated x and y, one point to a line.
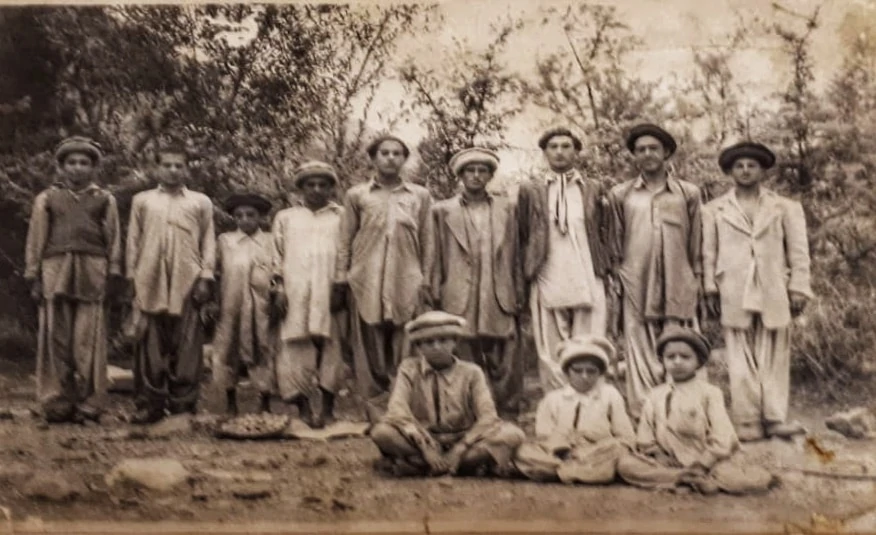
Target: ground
309	481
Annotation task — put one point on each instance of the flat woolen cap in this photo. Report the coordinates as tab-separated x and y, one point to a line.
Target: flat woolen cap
236	200
314	168
674	333
648	129
474	155
80	144
581	347
554	132
746	149
435	323
374	145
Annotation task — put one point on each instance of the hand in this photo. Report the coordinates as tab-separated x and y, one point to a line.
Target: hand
338	298
452	458
437	463
201	292
36	290
713	304
798	303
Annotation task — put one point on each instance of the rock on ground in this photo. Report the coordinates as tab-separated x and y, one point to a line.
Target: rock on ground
159	474
859	422
53	488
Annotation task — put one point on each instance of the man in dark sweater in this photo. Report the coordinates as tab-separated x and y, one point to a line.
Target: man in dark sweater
73	247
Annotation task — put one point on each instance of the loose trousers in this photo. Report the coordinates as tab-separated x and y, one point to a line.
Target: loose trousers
377	351
502	363
580	462
730	476
170	361
306	365
759	364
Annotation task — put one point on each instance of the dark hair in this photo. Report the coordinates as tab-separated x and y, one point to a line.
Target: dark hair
559	132
171	148
374	145
592	358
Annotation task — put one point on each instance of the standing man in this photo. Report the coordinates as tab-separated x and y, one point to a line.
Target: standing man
656	234
477	275
385	258
171	255
752	239
565	260
73	246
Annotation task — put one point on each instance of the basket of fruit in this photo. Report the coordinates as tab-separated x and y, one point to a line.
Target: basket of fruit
254	426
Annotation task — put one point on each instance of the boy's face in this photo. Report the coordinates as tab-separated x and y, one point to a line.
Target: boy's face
560	152
680	361
247	219
173	169
317	190
437	350
649	154
389	158
747	172
475	177
583	375
78	169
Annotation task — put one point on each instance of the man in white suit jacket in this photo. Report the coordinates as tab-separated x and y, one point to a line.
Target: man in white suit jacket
756	278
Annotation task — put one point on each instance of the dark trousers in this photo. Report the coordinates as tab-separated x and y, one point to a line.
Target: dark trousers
502	363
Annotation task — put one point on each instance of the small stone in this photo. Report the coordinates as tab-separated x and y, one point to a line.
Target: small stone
858	422
52	488
178	424
15	473
21	414
252	491
159	474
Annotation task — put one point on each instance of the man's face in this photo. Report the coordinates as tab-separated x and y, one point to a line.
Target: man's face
247	219
649	154
437	350
475	177
583	374
747	172
173	169
680	361
389	158
317	190
560	152
78	169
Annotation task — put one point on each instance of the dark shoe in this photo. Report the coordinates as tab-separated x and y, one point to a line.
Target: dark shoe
147	416
749	432
304	410
785	430
327	414
266	404
231	402
90	412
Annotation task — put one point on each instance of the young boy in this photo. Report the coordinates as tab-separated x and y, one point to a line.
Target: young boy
309	362
756	266
73	246
171	255
441	417
582	429
244	336
685	436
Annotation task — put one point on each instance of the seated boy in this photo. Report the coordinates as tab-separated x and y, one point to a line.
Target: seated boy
685	436
582	429
441	417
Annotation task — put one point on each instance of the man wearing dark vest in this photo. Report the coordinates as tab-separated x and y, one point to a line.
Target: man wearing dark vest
73	247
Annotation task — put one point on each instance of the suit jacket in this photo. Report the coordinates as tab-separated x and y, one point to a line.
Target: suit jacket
534	220
453	270
774	248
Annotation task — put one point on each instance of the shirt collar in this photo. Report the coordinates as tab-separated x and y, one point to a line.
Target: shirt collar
331	205
182	190
464	200
427	370
671	183
571	393
256	236
375	184
552	175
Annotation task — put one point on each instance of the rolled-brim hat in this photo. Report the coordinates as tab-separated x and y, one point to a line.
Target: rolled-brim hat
474	155
314	168
260	203
374	145
583	347
647	129
697	341
555	132
79	144
435	323
746	149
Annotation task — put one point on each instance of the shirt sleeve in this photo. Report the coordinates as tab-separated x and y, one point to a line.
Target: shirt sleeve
37	235
621	426
545	417
710	250
349	228
113	235
427	237
615	229
437	275
208	241
797	248
485	409
278	246
399	406
135	227
695	239
722	440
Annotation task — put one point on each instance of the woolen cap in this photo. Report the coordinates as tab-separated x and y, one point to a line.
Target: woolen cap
260	203
80	144
648	129
374	145
314	168
554	132
674	333
582	347
474	155
435	323
746	149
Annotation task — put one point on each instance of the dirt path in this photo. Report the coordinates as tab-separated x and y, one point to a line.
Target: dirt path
309	481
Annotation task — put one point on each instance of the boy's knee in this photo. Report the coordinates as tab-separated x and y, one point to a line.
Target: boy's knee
510	435
383	434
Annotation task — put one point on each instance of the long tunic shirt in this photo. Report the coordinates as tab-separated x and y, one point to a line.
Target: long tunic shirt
386	249
73	275
688	421
594	415
305	257
171	243
567	279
